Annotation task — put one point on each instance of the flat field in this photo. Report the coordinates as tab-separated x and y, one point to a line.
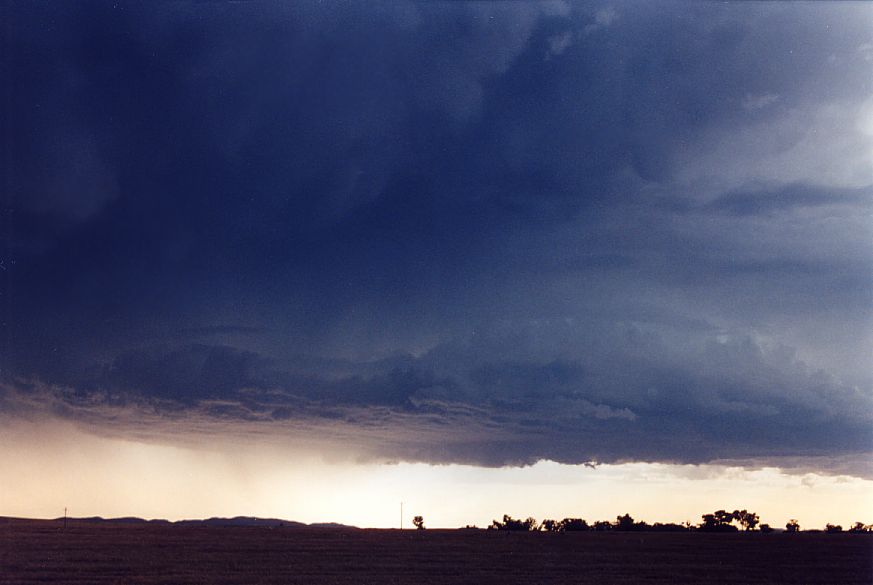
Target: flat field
41	552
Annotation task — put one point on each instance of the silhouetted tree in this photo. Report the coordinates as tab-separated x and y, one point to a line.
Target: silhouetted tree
832	528
624	523
718	521
709	523
512	524
748	520
418	521
551	525
602	525
860	527
574	525
766	529
792	526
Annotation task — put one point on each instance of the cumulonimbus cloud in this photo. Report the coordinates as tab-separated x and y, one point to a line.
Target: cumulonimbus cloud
448	233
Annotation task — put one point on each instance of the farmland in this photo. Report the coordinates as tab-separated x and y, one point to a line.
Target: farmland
43	552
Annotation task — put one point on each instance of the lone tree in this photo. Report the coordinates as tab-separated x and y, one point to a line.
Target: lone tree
792	526
418	521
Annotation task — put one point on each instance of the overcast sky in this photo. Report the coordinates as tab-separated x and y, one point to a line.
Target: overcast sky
485	234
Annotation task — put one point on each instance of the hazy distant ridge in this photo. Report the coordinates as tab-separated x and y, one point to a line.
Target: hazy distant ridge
220	522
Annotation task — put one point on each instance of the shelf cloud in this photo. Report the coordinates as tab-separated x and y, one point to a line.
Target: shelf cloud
487	234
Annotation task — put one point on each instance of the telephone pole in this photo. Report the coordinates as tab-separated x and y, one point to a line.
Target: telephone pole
401	515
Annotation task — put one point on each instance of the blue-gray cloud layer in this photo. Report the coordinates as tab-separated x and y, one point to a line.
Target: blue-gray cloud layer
576	232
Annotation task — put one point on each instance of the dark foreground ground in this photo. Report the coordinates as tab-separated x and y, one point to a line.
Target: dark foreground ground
40	552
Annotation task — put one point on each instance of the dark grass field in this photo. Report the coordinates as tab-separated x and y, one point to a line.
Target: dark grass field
41	552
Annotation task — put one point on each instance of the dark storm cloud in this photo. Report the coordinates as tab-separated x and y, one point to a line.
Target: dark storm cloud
488	233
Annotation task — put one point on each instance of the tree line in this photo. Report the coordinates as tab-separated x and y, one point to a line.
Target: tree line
718	521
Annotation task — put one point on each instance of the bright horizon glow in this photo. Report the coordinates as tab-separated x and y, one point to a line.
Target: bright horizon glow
110	477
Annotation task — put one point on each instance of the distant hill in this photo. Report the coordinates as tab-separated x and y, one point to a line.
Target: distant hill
249	521
329	525
123	520
243	521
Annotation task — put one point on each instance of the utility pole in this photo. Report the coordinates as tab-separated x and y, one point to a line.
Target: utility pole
65	517
401	515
